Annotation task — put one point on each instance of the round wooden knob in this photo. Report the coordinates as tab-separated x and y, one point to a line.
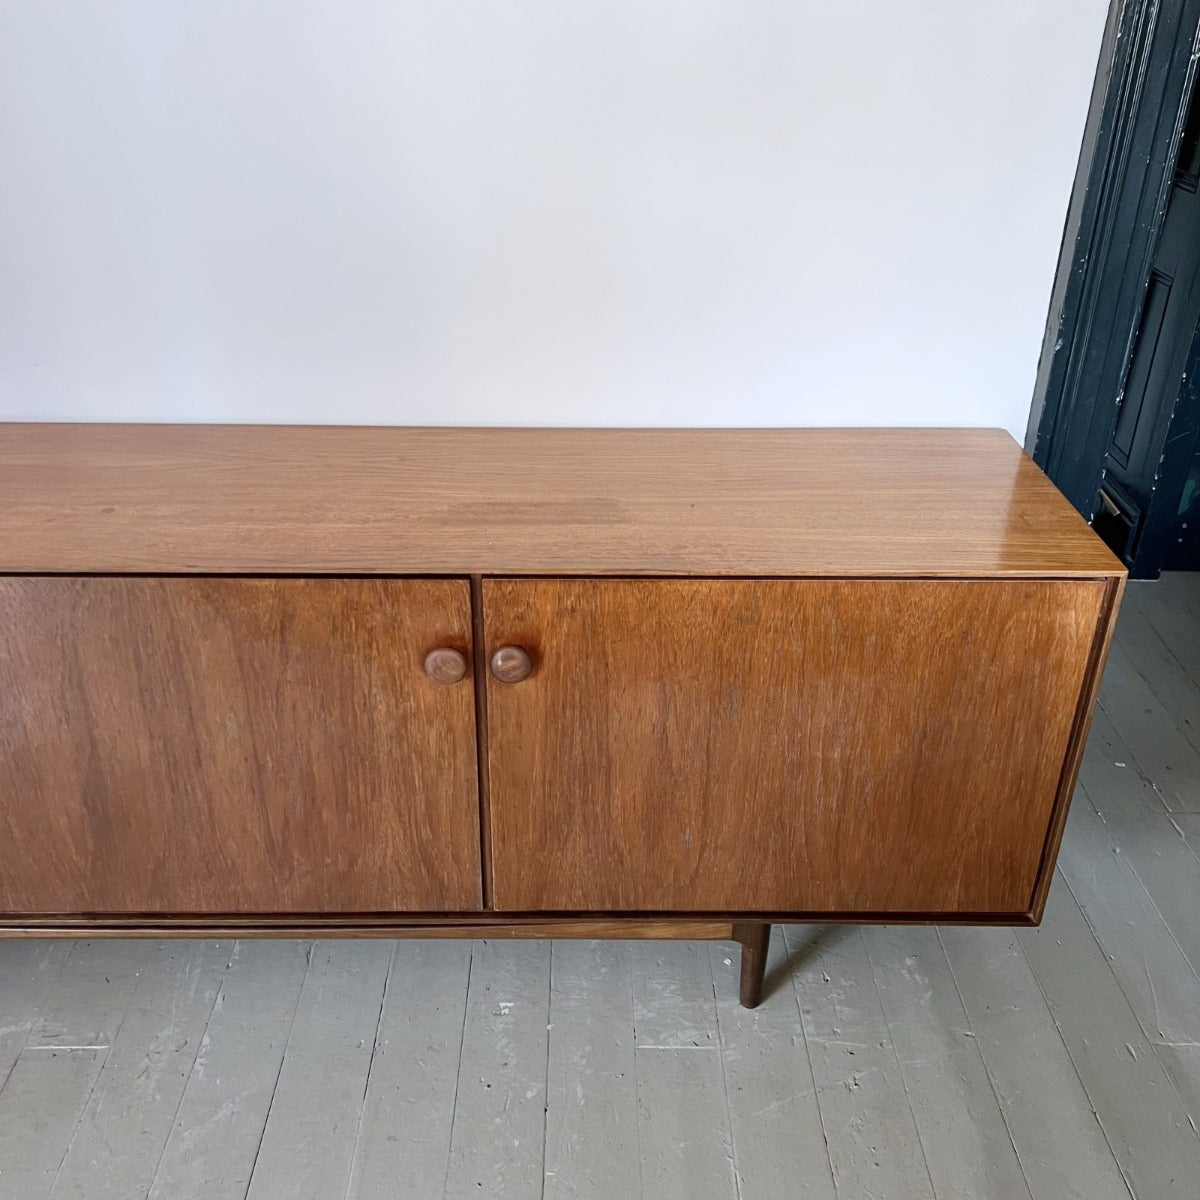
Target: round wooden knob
511	664
445	665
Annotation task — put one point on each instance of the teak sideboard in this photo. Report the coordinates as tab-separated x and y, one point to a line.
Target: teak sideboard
515	682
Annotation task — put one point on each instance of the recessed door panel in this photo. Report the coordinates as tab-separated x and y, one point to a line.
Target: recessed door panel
788	746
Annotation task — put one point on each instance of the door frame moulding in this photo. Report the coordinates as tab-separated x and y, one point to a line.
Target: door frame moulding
1131	140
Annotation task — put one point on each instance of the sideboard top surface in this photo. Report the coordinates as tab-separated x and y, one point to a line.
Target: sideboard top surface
164	499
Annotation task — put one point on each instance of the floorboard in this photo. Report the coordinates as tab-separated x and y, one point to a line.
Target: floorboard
1152	971
683	1125
1144	833
123	1130
1172	605
673	1002
1063	1151
312	1126
27	971
1182	1065
1137	1107
1189	829
778	1141
497	1142
591	1088
874	1146
968	1147
39	1112
405	1125
218	1128
47	1092
91	994
1159	745
1176	690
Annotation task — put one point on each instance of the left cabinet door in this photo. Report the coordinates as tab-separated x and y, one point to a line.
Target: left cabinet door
230	745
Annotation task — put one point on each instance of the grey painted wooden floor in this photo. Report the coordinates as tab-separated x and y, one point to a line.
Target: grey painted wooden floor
887	1062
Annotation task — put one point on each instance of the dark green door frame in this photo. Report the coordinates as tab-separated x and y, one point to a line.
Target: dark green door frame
1130	144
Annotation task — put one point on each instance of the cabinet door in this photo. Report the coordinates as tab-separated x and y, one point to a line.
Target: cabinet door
789	746
191	745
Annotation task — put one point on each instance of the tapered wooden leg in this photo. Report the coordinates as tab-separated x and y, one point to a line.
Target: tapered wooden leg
754	937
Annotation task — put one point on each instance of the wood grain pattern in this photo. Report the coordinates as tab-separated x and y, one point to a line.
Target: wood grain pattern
445	665
777	746
510	664
215	746
326	500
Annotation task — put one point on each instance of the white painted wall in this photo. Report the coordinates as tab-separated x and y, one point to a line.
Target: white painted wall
534	211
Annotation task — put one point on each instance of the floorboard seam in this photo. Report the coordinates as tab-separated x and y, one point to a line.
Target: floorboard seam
1193	850
262	1133
637	1100
733	1154
812	1075
1155	1047
1071	1058
987	1071
387	981
1096	938
1148	617
546	1074
99	1075
188	1082
1139	770
25	1041
1142	884
887	1025
462	1038
1153	1042
1183	732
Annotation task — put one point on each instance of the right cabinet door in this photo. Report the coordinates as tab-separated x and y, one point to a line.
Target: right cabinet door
801	746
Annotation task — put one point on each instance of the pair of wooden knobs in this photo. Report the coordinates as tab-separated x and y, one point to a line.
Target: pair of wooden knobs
509	664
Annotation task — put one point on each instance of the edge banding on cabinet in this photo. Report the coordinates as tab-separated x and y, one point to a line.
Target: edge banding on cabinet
1105	629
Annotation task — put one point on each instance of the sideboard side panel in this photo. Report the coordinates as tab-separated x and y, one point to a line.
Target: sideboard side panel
1105	628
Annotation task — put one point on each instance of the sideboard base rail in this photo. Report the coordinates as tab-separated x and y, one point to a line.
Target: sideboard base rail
754	936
